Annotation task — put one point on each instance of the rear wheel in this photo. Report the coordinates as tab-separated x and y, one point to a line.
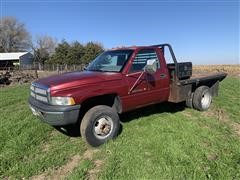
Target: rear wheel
99	124
189	100
202	98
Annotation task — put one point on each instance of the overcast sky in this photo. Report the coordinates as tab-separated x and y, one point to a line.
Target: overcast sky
205	32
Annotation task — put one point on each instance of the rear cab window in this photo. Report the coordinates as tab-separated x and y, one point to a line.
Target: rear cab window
141	58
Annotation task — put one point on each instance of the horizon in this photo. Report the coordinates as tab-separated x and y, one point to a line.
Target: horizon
204	32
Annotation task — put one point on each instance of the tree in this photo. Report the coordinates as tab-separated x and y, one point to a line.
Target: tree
43	48
92	50
76	52
61	54
13	35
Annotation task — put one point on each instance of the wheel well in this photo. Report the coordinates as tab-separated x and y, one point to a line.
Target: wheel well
111	100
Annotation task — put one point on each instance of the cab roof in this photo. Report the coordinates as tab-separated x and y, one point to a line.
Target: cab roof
131	47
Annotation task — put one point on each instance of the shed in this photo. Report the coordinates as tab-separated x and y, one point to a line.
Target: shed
12	59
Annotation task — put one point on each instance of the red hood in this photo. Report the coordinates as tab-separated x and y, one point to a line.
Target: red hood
73	79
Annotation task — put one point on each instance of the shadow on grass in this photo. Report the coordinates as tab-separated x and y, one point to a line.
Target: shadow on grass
153	109
74	130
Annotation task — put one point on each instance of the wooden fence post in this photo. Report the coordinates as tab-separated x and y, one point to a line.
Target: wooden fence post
58	68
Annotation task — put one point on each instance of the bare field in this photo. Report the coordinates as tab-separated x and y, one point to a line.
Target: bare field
233	70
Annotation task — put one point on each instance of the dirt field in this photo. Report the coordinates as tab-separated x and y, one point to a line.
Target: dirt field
232	70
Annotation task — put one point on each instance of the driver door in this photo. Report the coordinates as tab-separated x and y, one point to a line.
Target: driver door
137	79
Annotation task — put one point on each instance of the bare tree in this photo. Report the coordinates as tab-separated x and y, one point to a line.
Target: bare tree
43	47
13	35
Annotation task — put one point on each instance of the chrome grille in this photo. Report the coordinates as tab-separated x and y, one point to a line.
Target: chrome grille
41	98
39	92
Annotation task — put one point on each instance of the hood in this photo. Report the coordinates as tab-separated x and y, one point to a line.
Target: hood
74	79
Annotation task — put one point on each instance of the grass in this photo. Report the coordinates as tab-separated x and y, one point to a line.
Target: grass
168	142
29	147
164	141
229	98
81	171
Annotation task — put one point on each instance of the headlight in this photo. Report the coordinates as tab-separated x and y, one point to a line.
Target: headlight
62	101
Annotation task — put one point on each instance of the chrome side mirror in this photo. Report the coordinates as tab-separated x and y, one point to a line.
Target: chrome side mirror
151	66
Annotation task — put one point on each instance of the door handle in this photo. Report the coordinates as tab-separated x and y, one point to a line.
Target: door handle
163	75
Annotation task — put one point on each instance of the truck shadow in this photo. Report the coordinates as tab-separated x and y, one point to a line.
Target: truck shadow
74	130
150	110
153	109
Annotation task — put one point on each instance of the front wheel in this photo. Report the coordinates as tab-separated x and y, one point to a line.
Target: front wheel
202	98
99	124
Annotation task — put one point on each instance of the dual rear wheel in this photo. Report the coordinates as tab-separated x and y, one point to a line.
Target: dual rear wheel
201	99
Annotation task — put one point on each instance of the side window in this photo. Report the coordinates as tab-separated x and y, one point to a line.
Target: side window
141	59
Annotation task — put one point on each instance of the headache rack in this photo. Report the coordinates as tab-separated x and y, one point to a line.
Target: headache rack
178	71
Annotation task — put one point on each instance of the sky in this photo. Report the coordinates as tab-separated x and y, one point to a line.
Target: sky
204	32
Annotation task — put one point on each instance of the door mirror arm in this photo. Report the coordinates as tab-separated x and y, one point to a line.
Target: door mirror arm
136	82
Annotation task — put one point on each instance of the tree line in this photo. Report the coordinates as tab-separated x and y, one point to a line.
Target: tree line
14	37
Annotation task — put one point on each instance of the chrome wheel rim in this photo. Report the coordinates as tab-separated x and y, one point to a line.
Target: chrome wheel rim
103	127
206	100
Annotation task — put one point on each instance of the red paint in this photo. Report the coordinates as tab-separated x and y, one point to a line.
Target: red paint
83	85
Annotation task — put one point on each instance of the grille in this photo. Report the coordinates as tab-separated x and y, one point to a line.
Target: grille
39	92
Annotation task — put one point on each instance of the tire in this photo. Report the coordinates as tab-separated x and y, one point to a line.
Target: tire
100	124
202	98
189	100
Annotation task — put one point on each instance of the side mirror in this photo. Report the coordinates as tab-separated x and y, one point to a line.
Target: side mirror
151	66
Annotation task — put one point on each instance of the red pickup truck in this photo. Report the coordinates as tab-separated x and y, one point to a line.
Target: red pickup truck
117	81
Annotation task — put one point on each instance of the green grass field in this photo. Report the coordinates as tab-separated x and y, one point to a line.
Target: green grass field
164	141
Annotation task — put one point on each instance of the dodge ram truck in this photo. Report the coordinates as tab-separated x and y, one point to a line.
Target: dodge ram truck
117	81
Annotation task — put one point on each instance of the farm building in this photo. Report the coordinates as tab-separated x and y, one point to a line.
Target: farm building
15	59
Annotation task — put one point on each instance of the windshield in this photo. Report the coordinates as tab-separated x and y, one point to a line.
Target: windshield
110	61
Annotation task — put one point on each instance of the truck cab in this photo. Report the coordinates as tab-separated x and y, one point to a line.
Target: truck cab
117	81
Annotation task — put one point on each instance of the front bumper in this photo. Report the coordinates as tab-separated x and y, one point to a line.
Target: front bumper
54	115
